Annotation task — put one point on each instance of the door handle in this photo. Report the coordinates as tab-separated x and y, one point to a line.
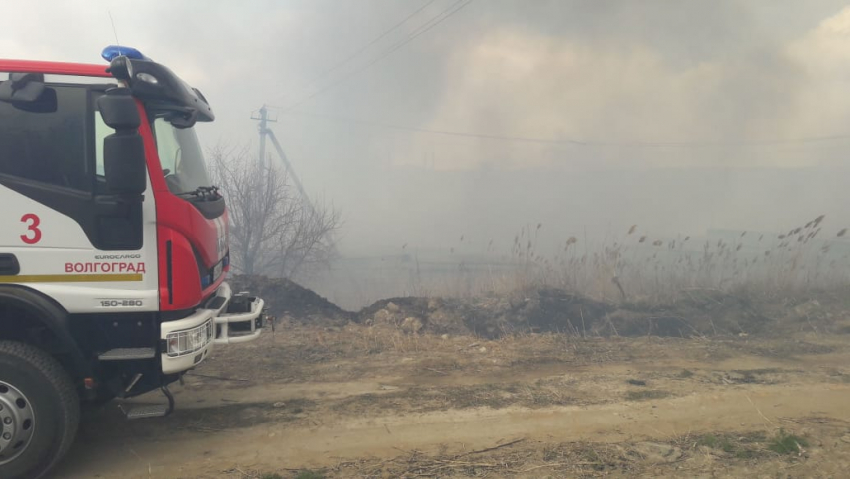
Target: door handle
9	265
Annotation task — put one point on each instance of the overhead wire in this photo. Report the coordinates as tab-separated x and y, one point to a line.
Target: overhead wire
422	29
365	47
449	12
582	142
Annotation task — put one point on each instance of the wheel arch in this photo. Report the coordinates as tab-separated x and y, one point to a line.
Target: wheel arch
31	317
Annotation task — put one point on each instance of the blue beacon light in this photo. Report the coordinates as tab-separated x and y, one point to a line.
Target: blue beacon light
112	51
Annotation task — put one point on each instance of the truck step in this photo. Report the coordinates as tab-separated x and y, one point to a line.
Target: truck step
146	412
126	354
152	410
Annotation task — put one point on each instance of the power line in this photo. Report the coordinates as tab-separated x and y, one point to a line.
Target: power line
433	22
584	143
428	25
362	49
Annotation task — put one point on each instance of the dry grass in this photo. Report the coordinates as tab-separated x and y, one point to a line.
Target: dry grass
639	266
646	394
520	457
510	458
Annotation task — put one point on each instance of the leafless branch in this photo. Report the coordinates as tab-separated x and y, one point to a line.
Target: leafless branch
273	230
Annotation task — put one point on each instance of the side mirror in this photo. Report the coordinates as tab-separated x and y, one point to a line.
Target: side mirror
22	87
27	92
118	109
124	150
183	121
124	164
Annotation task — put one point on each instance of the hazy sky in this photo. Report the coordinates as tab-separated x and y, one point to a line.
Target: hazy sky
662	89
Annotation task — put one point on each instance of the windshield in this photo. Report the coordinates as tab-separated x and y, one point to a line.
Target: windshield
181	157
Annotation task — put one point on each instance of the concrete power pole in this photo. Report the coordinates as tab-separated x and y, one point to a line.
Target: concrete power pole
263	117
265	131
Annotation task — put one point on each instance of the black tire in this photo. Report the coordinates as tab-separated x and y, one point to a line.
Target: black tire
54	402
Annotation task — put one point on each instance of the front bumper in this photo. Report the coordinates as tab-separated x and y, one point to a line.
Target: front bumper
241	320
234	319
176	364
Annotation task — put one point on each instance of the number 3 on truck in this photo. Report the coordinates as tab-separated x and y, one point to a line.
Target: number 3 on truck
33	234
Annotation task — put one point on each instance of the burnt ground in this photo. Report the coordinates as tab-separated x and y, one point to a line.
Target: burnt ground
695	312
285	298
704	313
539	384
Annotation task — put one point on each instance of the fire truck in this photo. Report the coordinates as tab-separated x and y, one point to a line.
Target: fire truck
113	247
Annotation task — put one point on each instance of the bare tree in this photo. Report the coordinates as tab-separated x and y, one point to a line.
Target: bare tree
273	230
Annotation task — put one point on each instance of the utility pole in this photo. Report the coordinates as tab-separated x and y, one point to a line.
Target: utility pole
265	131
263	127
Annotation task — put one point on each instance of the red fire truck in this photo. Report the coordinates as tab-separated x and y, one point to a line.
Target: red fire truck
113	247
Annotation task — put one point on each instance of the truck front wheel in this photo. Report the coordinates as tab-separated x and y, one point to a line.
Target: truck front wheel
39	411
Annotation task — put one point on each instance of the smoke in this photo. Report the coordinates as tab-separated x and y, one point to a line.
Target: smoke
586	116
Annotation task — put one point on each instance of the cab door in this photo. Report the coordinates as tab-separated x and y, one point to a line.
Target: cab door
68	237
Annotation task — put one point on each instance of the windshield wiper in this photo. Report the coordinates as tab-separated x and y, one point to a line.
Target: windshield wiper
205	193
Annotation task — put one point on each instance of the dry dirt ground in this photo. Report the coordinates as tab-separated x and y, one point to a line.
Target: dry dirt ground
361	399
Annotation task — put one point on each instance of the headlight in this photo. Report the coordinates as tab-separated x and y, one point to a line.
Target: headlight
181	343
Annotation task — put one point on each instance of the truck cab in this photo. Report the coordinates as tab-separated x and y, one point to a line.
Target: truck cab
113	247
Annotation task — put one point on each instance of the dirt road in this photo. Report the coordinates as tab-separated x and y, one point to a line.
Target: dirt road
355	402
